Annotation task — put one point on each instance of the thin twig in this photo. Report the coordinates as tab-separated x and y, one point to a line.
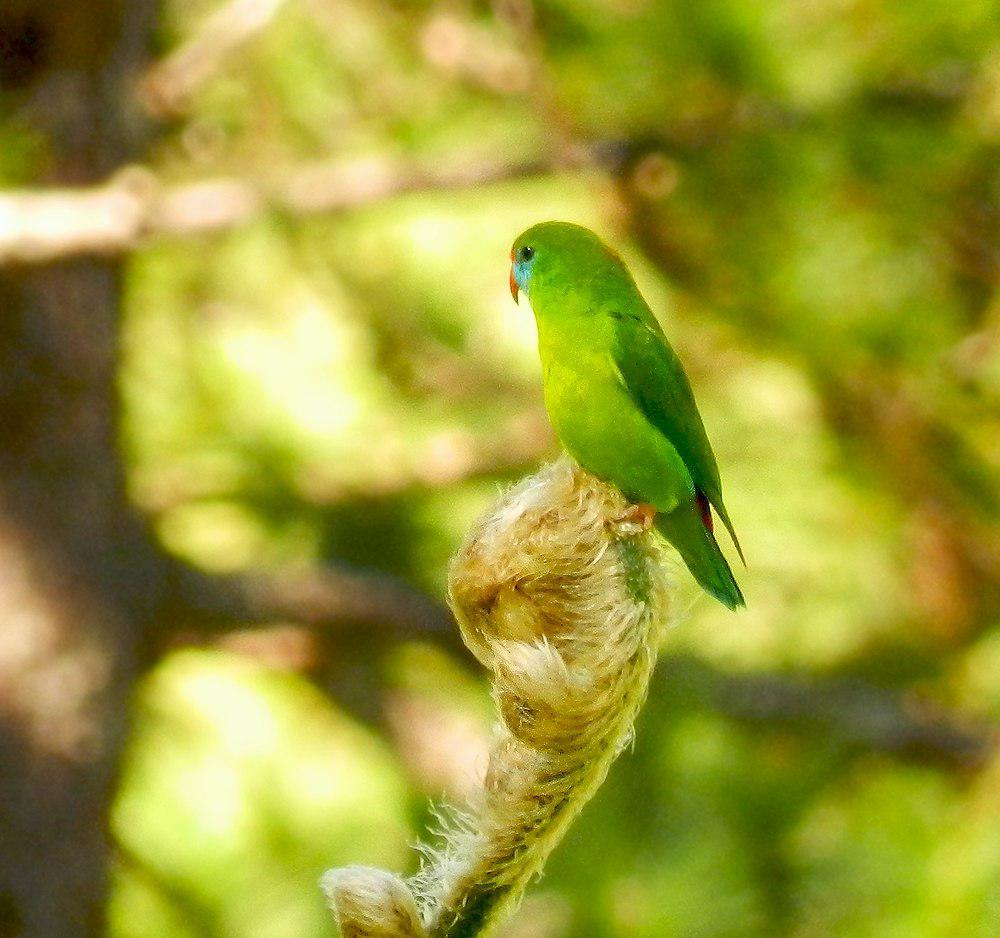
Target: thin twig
330	601
861	714
169	86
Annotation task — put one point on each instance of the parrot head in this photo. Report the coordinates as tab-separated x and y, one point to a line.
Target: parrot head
556	252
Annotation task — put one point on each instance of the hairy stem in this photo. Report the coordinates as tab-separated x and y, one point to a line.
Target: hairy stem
564	604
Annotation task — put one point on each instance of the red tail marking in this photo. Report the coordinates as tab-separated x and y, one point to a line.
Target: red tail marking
706	510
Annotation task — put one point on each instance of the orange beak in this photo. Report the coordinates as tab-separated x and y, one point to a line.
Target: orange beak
513	282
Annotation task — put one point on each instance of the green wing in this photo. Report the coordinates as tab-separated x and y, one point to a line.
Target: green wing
655	379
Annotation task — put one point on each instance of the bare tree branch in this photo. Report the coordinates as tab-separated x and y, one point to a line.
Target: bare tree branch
331	601
169	86
116	216
329	607
855	711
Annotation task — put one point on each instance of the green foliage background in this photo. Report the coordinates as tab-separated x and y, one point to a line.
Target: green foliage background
810	195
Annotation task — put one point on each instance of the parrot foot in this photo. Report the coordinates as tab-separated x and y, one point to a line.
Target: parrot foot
636	519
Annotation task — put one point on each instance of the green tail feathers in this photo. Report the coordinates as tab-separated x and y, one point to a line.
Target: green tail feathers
684	529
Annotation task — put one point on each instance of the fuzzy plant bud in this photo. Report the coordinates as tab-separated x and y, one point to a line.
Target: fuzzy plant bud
371	903
564	601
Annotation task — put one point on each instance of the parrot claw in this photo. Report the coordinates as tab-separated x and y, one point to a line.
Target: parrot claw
636	519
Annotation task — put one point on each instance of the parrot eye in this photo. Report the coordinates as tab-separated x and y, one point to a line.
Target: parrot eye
527	253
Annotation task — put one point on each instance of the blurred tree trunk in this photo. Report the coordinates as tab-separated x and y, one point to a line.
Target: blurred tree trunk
79	579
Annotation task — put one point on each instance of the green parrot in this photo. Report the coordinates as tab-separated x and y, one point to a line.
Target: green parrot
617	394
